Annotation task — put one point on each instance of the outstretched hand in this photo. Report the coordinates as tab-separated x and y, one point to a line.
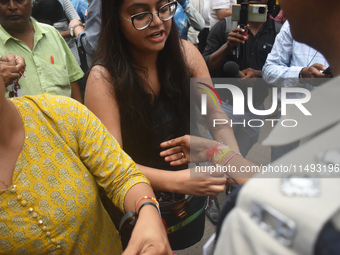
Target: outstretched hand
186	149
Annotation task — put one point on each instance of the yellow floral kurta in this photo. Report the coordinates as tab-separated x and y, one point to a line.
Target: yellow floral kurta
53	206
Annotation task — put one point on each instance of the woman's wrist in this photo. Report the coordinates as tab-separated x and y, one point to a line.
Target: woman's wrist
145	199
152	204
227	159
178	180
220	154
78	30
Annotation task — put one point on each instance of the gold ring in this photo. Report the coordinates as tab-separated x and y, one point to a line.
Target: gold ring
183	155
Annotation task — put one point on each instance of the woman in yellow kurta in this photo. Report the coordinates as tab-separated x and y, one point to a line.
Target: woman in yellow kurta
53	154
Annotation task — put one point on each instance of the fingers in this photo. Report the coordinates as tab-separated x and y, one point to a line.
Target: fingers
211	190
10	58
173	142
317	73
14	60
314	71
236	36
319	66
20	62
176	156
177	159
234	39
176	141
217	189
171	151
179	162
9	73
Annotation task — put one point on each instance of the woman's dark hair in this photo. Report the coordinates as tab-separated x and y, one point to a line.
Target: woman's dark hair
48	11
129	87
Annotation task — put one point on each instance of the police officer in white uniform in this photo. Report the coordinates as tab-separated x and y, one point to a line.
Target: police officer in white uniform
292	212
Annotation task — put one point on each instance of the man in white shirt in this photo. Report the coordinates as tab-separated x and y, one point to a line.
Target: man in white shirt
220	9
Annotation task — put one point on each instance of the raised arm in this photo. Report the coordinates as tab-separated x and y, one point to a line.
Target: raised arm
88	37
194	17
70	11
219	44
100	99
196	63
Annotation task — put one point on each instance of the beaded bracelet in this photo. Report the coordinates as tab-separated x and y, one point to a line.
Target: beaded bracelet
147	197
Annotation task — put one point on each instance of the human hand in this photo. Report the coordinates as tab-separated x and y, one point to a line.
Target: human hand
199	182
179	153
75	22
251	73
148	236
236	36
14	59
314	71
12	66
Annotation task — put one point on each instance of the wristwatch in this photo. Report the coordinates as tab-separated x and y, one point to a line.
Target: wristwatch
72	29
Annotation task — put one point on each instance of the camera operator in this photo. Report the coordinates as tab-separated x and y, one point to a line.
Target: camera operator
222	41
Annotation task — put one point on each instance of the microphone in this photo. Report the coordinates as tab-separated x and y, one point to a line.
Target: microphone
232	70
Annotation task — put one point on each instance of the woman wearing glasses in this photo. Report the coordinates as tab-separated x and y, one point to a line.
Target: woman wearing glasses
140	86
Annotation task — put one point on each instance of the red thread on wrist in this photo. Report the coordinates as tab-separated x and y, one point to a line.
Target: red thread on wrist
211	152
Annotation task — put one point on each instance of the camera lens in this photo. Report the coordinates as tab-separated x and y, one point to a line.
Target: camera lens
262	10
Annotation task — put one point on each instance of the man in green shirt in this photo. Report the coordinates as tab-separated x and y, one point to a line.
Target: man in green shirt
50	66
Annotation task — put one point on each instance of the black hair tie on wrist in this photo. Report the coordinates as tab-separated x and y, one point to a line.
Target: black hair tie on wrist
148	203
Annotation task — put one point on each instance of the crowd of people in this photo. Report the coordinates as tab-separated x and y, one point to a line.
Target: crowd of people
99	137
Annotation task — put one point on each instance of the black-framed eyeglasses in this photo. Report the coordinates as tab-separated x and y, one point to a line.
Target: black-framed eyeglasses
142	20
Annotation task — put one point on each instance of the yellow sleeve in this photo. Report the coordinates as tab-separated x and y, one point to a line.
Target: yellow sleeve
100	152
